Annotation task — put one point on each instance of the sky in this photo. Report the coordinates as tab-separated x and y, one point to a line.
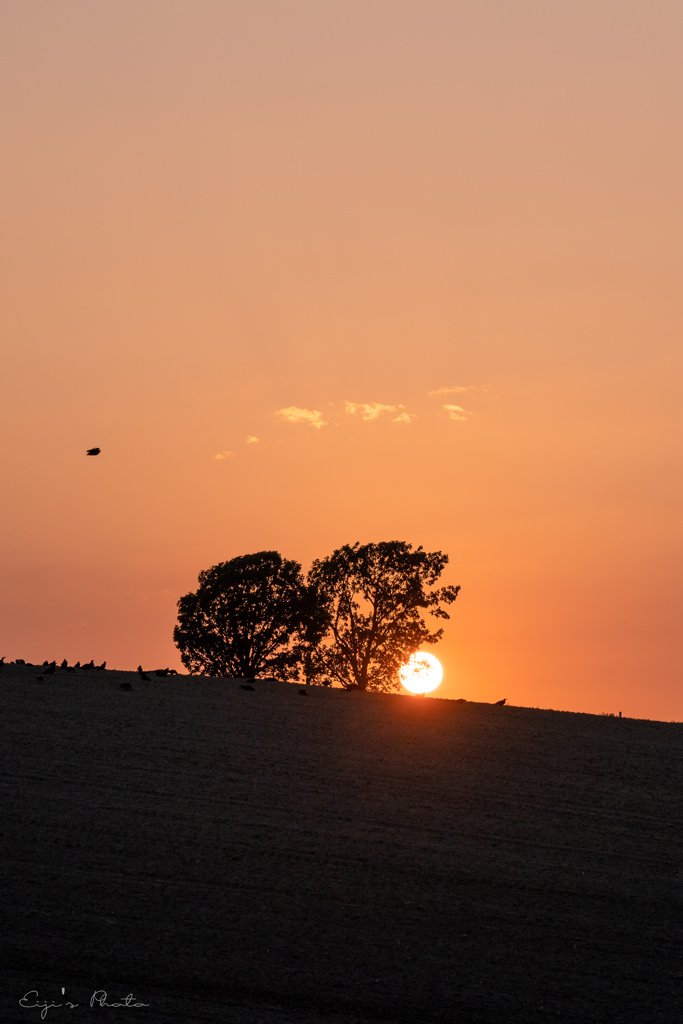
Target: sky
315	273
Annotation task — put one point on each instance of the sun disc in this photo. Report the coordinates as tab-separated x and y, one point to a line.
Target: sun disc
422	673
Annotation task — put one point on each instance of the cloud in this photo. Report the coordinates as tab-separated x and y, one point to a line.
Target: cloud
457	388
405	417
250	439
223	455
455	412
371	410
295	415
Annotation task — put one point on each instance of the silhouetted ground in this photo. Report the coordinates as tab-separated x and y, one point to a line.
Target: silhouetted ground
264	858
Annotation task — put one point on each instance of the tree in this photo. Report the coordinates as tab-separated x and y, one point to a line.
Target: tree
248	616
374	596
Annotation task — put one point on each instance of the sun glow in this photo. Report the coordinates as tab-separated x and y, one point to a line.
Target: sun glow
422	673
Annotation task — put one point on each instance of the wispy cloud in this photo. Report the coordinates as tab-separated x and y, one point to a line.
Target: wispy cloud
223	455
448	391
250	439
405	417
372	410
456	412
458	389
292	414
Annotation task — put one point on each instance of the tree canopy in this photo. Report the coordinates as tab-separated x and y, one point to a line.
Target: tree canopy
249	616
374	596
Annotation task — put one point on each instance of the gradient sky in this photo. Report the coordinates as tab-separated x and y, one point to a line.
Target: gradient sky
213	211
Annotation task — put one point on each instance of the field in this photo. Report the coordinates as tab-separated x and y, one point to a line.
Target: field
268	858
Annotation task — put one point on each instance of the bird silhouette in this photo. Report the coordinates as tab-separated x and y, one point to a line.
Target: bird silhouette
93	451
65	664
500	702
161	672
143	675
91	664
101	667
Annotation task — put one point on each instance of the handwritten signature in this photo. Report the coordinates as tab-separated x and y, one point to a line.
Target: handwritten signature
30	1001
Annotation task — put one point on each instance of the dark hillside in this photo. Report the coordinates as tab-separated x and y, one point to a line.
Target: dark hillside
267	858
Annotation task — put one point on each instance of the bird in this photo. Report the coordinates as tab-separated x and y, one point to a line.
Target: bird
143	675
91	664
500	702
93	451
161	672
65	664
77	665
245	686
101	667
125	686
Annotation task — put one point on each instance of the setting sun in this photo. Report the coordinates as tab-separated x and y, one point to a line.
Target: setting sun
422	673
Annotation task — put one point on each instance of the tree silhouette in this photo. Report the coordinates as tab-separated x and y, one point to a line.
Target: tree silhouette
248	616
374	596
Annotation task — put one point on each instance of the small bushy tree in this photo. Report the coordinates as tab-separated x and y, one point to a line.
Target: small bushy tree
373	597
249	616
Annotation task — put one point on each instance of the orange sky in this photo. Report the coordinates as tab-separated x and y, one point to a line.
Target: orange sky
212	211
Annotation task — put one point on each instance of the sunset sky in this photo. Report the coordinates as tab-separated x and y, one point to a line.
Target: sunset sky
323	271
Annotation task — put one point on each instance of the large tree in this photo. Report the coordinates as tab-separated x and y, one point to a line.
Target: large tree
375	595
248	616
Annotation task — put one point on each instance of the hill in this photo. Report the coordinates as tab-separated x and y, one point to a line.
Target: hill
268	858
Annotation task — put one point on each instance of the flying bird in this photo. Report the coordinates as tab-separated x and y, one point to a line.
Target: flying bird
93	451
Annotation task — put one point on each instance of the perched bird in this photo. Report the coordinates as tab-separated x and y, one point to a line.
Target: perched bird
143	675
65	664
500	702
93	451
101	667
125	686
91	664
245	686
77	665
